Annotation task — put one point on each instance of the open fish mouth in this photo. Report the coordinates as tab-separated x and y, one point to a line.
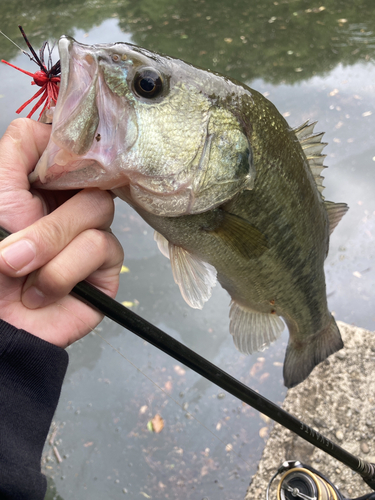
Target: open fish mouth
131	121
86	130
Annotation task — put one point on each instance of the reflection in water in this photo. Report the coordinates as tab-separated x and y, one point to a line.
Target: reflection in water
313	63
51	491
280	41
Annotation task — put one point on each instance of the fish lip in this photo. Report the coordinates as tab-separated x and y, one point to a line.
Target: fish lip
64	46
60	165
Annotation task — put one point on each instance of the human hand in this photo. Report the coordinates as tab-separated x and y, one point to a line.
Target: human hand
60	238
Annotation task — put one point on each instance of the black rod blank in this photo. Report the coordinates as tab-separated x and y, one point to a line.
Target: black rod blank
93	297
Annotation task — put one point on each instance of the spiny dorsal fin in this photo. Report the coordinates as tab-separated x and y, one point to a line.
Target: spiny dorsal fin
312	146
335	213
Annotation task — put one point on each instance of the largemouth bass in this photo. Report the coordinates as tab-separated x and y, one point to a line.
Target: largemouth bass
233	193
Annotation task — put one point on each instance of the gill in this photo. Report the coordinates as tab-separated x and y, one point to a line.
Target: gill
228	447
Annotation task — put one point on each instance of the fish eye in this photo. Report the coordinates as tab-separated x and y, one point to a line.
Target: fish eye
148	83
115	57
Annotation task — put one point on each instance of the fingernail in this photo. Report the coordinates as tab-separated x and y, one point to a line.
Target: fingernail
33	298
19	254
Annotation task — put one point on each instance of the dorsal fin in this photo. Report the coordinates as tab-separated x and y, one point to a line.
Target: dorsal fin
312	146
335	212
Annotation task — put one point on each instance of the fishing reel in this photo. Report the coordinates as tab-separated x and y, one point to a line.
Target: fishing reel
302	482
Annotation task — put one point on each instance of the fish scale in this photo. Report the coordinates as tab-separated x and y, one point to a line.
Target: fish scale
233	193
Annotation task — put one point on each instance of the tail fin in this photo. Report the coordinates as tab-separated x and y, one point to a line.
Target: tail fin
301	359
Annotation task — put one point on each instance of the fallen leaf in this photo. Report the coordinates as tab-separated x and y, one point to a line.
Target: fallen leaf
89	443
143	409
57	454
256	368
157	423
168	386
124	269
179	370
145	494
263	432
265	418
357	274
126	303
204	471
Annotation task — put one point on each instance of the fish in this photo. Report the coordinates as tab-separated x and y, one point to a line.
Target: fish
233	193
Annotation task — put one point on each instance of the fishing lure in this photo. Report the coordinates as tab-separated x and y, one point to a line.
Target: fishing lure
47	77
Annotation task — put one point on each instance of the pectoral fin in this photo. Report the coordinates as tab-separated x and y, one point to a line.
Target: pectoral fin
241	236
253	331
194	277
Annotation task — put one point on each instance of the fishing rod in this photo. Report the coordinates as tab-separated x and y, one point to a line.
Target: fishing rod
98	300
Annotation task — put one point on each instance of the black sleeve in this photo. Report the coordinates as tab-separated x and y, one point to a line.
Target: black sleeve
31	374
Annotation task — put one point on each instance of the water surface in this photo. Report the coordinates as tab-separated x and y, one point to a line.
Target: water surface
313	61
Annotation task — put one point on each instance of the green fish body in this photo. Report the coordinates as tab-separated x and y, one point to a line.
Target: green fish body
233	193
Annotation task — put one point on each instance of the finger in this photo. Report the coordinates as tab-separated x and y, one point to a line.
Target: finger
31	248
92	251
20	149
20	209
22	144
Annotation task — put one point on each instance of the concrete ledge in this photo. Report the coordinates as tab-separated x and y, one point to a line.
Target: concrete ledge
338	400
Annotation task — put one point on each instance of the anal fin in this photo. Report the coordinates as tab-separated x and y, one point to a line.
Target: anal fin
253	331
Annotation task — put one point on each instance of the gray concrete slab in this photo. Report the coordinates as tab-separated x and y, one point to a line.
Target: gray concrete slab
338	400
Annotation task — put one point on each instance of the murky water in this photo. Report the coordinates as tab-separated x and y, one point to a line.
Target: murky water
314	61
